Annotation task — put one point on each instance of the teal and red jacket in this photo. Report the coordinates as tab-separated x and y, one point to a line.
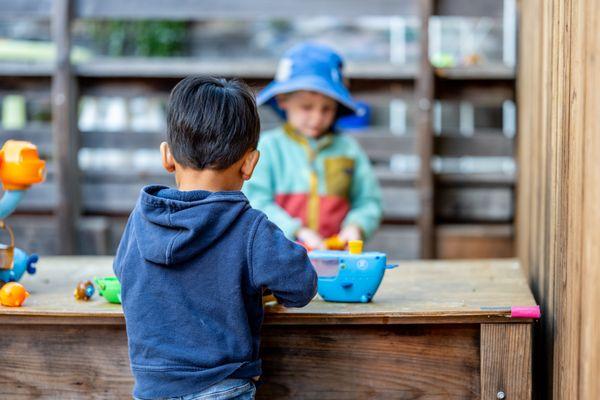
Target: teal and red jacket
323	184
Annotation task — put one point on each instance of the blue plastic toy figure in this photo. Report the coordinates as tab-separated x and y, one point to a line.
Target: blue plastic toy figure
20	167
84	291
21	263
349	276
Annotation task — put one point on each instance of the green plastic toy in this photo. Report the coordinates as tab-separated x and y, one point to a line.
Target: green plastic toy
443	60
109	288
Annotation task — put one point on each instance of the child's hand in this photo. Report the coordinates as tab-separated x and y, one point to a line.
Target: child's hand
351	232
310	238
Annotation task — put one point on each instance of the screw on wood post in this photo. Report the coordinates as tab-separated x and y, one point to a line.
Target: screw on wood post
500	395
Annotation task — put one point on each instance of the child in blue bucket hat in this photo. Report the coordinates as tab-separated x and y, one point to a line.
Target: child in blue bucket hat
312	182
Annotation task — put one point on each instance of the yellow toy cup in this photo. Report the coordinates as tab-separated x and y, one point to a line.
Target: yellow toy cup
355	246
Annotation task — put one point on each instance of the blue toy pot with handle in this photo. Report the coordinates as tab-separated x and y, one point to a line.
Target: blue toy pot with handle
347	277
22	262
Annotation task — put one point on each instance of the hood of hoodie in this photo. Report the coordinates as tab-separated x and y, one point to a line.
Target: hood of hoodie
172	226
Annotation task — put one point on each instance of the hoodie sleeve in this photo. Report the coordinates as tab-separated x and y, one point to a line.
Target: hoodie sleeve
122	251
280	265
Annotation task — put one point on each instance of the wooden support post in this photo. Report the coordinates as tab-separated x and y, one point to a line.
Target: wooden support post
506	361
65	134
424	97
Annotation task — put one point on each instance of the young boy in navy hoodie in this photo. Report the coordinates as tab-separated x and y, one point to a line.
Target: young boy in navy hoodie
194	261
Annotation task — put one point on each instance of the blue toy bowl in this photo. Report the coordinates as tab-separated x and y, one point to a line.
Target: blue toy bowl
345	277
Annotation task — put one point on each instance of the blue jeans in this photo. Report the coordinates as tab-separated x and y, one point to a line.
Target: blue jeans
237	389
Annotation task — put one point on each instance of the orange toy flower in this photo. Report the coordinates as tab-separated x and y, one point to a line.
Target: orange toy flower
13	294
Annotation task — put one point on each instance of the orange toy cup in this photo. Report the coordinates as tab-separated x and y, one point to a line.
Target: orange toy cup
21	165
13	294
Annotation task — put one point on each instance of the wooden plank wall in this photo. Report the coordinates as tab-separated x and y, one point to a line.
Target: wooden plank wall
558	216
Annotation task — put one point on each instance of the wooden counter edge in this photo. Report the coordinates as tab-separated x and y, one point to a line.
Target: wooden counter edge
58	318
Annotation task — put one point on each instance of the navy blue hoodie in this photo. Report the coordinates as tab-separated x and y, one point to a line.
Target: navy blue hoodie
193	267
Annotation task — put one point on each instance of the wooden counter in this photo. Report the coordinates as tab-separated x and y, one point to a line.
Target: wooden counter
430	333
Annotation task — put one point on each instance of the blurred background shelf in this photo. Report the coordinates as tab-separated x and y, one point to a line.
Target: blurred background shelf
476	179
156	9
25	69
438	77
483	72
247	68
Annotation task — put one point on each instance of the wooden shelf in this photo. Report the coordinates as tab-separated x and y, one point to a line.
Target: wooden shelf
476	146
30	9
381	146
247	68
137	178
205	9
474	204
477	229
484	72
476	179
122	139
386	176
25	69
475	241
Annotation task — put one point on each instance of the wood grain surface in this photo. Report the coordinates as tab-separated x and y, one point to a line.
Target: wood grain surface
559	190
506	358
414	292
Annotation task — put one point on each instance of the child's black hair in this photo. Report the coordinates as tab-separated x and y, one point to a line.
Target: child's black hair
211	122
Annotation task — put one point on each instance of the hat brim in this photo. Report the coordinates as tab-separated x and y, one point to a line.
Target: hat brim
338	92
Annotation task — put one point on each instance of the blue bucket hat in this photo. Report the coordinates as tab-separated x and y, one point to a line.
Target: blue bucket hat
309	66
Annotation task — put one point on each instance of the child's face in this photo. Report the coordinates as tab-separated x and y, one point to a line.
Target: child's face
310	113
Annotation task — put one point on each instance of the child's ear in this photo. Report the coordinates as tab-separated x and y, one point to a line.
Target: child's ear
168	161
281	100
249	164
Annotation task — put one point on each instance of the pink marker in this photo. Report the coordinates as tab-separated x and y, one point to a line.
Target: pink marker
525	312
518	311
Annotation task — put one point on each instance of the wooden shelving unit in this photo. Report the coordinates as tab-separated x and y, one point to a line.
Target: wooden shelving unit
177	68
26	69
493	72
73	201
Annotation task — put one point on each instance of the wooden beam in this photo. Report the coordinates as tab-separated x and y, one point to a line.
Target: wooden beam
506	361
481	145
475	179
30	9
174	67
484	72
482	93
469	8
589	362
25	69
204	9
424	96
64	115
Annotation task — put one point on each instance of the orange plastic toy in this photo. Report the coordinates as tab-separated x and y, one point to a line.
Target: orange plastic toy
335	243
13	294
21	166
